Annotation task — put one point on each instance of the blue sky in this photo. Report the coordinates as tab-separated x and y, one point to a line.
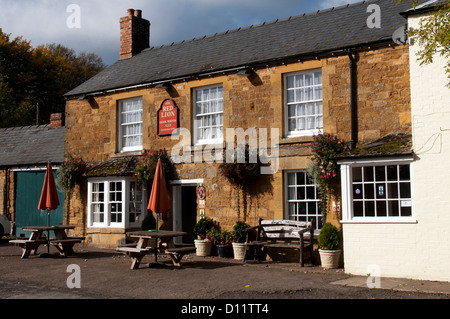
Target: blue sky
45	21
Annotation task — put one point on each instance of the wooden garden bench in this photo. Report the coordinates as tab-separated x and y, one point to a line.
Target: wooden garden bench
136	254
65	245
28	245
176	254
286	234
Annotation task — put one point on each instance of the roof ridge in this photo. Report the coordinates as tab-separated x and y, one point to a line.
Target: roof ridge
253	26
23	127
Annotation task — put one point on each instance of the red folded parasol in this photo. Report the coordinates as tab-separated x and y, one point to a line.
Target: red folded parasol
49	196
159	198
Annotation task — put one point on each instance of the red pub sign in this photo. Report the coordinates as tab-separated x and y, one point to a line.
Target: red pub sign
168	118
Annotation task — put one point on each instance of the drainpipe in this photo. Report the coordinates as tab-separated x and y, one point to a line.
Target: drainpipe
353	98
5	194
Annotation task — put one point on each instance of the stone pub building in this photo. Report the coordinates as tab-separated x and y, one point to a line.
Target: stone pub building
330	71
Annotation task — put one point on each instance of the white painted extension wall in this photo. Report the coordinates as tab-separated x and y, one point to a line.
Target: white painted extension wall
419	250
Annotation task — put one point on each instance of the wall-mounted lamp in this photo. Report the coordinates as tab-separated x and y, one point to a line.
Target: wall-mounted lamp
245	72
85	97
163	86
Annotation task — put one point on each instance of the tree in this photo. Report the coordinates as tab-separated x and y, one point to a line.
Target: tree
433	35
42	75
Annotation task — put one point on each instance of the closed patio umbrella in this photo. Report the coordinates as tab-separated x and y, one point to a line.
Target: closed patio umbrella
159	197
49	196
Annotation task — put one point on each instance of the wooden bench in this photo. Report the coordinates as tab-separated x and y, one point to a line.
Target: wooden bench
136	254
286	234
28	245
65	245
176	254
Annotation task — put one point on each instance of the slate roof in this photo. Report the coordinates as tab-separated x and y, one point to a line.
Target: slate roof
31	145
294	37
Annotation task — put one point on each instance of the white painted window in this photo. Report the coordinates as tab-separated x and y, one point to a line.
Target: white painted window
115	203
130	124
302	198
303	103
377	191
208	115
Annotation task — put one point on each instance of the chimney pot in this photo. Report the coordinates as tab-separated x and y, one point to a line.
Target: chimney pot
138	13
130	12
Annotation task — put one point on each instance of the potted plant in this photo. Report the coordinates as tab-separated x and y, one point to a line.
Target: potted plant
202	243
222	239
329	241
239	236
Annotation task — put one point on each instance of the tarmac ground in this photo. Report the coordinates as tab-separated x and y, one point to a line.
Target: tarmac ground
106	275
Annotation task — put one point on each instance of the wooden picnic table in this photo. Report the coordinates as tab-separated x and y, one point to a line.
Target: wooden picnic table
166	245
63	243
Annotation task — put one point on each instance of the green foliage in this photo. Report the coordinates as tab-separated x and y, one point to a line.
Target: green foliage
146	168
239	232
433	35
203	226
149	222
323	167
219	237
29	76
70	173
328	237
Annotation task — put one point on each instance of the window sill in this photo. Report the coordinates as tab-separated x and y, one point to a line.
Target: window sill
96	229
209	142
127	153
380	221
294	139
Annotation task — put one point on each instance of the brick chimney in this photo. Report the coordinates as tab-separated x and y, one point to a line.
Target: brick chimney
56	120
134	34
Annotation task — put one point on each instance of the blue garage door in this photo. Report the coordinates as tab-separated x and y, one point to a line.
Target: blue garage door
28	193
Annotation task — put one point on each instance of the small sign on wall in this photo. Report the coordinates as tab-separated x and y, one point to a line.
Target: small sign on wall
168	118
201	192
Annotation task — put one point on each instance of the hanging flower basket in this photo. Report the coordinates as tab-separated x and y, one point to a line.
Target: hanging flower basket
242	171
70	173
324	168
146	167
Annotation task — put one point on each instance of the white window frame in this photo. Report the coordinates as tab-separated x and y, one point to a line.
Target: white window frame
305	132
318	215
123	148
347	189
196	122
125	201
